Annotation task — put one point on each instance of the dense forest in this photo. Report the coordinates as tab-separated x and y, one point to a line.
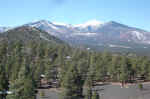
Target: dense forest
21	67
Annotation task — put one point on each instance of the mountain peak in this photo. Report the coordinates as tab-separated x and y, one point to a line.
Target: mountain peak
39	22
115	24
59	23
93	22
90	23
44	22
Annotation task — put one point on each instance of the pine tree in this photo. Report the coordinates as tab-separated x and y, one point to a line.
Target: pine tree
49	73
124	69
62	73
134	63
99	71
3	82
144	67
92	67
16	59
88	86
72	84
114	68
38	69
95	95
22	87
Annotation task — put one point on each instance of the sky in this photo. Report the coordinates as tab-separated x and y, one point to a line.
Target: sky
134	13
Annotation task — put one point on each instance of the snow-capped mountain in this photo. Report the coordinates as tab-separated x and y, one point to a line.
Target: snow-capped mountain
94	32
56	29
88	26
89	23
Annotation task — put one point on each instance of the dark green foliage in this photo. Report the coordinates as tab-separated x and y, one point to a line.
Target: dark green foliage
3	73
123	69
114	68
23	86
26	34
140	86
88	87
95	95
72	83
3	81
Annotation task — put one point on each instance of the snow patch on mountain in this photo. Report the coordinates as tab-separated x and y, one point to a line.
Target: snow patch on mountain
52	26
59	23
47	23
93	23
85	34
138	35
43	37
119	46
62	24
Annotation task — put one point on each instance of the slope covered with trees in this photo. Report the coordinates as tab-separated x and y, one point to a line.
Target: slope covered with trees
27	34
73	69
22	62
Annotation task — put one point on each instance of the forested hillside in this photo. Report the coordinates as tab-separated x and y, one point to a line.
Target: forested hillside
21	66
26	34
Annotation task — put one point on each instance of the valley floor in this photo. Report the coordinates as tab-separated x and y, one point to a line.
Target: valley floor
108	91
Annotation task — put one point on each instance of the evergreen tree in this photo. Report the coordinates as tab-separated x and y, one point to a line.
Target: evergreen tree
135	69
23	86
49	73
95	95
124	69
100	74
144	67
88	86
62	72
114	68
92	67
38	69
3	82
72	84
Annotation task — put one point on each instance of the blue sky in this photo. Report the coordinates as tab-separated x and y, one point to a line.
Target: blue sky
131	12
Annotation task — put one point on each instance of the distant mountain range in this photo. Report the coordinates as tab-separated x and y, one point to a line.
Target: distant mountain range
94	34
